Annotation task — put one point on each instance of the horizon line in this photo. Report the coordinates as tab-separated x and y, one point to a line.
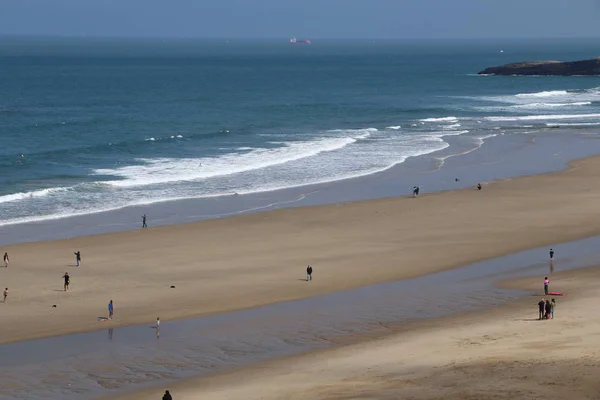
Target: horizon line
285	38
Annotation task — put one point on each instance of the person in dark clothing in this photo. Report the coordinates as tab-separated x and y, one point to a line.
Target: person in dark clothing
67	280
479	186
309	273
167	396
78	257
415	191
541	307
551	254
548	308
144	221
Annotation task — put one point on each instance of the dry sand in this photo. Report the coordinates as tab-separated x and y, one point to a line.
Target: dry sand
505	353
246	261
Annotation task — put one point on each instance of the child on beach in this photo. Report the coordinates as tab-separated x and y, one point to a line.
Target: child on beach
6	260
110	309
67	280
5	294
553	306
546	285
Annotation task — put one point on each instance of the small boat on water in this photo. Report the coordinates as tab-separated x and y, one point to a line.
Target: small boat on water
296	41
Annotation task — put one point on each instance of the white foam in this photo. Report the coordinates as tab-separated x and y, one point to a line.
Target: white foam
166	170
543	117
577	124
33	194
444	119
394	128
453	126
546	93
151	139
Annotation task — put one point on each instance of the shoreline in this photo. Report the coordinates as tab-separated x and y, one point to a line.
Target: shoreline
501	157
235	254
459	340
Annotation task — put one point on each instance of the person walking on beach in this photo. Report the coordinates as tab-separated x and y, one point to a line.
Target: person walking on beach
546	285
67	280
167	396
541	306
77	258
551	254
479	186
144	225
553	307
110	309
415	191
309	273
6	260
5	294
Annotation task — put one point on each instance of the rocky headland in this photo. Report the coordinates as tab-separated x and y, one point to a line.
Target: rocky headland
549	68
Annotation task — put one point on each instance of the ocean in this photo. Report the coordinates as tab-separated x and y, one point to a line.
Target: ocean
94	125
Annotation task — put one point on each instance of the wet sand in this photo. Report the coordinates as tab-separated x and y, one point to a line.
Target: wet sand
242	262
114	361
502	353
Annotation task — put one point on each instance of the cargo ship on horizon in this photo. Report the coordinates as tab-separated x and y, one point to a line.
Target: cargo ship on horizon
296	41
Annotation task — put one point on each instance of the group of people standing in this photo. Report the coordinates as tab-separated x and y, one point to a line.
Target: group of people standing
546	309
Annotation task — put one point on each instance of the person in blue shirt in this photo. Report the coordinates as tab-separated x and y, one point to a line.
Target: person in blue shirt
110	309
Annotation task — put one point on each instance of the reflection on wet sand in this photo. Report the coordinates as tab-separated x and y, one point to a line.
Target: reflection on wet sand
87	365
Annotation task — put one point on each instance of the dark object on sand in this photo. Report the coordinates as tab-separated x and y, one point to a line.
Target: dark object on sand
167	396
172	287
547	68
54	305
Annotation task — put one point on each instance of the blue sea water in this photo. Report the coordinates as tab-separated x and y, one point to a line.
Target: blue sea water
89	125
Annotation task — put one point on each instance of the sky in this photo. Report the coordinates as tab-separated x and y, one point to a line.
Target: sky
339	19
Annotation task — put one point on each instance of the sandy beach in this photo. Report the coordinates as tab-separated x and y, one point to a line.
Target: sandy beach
247	261
503	353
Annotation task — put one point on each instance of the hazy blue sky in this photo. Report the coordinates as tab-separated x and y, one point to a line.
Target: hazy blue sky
302	18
